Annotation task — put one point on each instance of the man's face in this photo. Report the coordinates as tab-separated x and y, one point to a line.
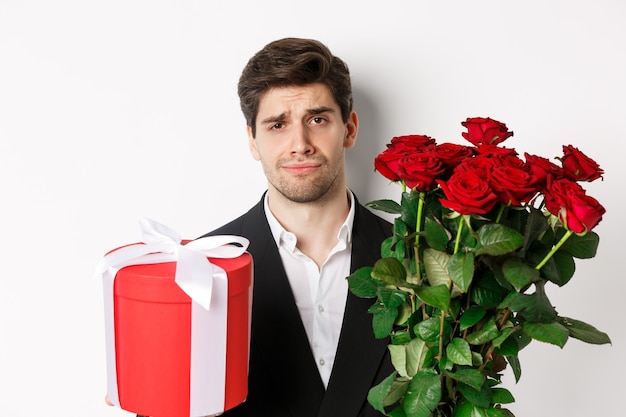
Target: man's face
300	141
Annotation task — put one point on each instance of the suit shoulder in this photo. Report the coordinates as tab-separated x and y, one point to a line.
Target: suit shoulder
372	221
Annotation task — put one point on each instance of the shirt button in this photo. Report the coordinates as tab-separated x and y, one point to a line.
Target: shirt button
320	308
322	362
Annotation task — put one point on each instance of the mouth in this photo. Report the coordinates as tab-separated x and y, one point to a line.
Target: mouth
301	168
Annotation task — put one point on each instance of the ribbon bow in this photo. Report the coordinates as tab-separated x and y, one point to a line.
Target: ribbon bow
194	272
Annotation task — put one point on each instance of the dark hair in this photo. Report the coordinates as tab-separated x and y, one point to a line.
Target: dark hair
293	62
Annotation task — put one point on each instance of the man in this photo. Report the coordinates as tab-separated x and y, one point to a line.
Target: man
312	347
312	353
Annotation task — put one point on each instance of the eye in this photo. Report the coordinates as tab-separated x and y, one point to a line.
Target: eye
277	126
317	120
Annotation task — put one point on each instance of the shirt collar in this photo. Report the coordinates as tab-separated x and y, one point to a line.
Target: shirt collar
287	239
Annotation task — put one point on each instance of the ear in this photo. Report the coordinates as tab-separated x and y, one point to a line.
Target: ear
252	144
352	128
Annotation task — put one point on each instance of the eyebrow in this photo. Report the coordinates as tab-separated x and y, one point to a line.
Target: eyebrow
321	109
312	111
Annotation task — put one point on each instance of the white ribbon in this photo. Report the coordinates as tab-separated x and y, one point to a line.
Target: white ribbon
207	286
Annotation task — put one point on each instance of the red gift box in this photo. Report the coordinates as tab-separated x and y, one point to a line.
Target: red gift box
168	355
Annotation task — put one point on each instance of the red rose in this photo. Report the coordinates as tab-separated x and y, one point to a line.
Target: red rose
420	170
388	163
516	182
467	192
568	201
485	131
480	163
538	162
412	142
452	154
493	150
579	167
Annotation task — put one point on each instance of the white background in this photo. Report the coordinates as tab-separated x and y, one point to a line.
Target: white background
114	110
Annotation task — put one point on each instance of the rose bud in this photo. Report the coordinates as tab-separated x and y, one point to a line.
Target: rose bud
485	131
579	167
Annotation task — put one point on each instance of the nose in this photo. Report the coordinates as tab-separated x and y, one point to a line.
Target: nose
301	141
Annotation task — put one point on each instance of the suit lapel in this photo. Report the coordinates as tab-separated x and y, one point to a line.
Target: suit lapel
358	353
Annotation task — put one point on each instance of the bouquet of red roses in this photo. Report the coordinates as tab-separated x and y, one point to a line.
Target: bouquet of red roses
460	287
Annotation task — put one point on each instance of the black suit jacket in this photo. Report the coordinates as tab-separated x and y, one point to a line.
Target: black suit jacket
284	380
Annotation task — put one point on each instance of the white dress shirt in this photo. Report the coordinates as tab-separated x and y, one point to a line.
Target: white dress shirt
320	293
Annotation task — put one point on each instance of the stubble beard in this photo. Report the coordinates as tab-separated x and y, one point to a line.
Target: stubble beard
317	187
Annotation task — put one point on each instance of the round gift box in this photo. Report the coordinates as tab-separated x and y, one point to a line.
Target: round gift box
153	316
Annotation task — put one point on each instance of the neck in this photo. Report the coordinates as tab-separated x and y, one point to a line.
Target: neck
315	224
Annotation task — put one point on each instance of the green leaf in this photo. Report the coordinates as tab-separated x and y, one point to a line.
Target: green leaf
378	393
409	358
455	307
416	354
477	359
496	267
389	270
535	226
438	297
470	377
387	392
508	345
522	339
393	248
584	332
428	330
504	334
383	319
471	317
391	297
553	333
398	359
534	307
458	351
479	397
515	217
404	313
497	412
516	366
436	266
436	235
362	284
397	391
409	202
501	396
582	247
397	412
508	300
560	268
496	239
423	394
488	332
467	409
461	269
445	364
388	206
400	229
518	273
486	291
